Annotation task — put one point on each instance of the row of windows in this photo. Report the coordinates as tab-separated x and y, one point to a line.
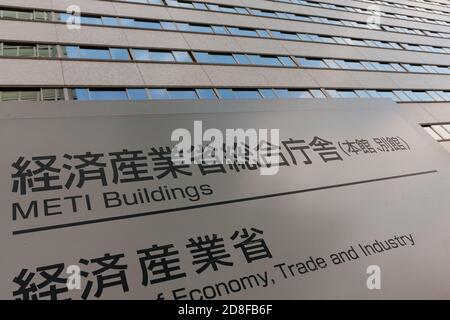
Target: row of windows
192	94
440	132
216	29
252	93
25	15
201	6
247	32
227	9
370	65
433	3
103	53
387	3
298	17
31	94
396	95
84	94
364	11
405	6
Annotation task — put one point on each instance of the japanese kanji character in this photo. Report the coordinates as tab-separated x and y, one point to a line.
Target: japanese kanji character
350	147
129	166
294	145
163	263
365	146
50	287
325	148
252	248
162	159
270	154
23	177
27	289
240	157
52	277
89	169
208	252
109	274
41	179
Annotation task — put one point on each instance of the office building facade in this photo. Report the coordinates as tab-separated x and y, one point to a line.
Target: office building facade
231	49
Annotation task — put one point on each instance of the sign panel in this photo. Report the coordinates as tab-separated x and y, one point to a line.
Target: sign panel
93	207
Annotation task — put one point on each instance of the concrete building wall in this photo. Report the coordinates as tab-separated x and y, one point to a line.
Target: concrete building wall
30	72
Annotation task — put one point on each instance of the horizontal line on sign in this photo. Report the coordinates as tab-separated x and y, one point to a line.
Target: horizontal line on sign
218	203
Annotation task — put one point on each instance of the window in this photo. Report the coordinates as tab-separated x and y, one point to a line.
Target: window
31	94
168	25
282	93
323	39
382	66
362	94
402	96
206	94
317	93
205	57
300	94
227	9
311	63
100	94
355	42
219	29
419	95
242	32
264	60
153	25
350	64
440	132
80	94
247	94
147	55
137	94
263	13
159	94
388	94
31	50
267	93
242	58
286	61
161	56
182	94
284	35
119	54
110	21
91	53
181	4
413	67
347	94
46	51
226	94
140	54
90	20
195	28
182	56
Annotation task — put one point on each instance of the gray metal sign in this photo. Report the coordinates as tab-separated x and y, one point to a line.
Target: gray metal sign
93	207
